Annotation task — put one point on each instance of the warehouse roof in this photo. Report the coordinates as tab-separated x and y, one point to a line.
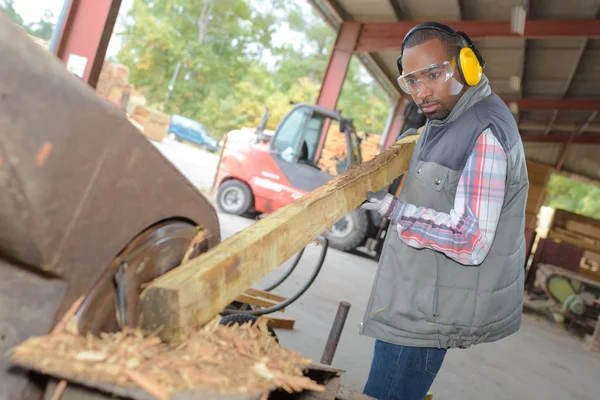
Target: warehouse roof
549	73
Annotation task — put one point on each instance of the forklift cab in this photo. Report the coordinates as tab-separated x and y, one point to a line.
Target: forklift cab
297	145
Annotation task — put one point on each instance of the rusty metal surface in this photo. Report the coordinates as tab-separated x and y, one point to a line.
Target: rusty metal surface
82	181
77	181
28	303
153	253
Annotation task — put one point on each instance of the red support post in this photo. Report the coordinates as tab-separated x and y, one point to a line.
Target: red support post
339	61
85	37
335	74
396	124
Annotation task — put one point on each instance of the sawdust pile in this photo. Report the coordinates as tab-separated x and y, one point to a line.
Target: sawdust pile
229	360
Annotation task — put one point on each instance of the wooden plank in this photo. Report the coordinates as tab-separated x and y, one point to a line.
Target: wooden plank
192	294
256	301
535	198
280	322
584	229
266	295
575	240
562	218
569	274
538	173
530	221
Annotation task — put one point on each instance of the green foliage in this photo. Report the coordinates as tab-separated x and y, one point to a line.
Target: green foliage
42	29
573	196
231	66
7	7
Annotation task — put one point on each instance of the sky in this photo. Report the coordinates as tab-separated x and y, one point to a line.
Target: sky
33	10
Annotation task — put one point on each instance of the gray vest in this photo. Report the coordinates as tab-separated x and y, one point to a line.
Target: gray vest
422	298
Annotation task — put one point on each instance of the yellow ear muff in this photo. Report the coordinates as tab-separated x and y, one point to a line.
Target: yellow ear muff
469	67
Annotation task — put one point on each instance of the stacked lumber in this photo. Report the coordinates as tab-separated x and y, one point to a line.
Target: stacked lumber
335	147
216	359
112	83
155	124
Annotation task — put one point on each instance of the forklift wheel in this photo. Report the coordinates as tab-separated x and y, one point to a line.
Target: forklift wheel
234	197
349	232
240	319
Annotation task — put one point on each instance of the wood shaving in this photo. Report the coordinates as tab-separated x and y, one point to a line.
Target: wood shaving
222	359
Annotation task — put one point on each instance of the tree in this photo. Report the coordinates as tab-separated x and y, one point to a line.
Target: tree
165	33
44	27
573	196
225	67
7	7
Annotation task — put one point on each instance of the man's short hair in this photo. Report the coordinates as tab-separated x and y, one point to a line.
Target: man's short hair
450	44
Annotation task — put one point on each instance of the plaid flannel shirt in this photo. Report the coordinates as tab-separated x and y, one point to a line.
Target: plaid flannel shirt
467	232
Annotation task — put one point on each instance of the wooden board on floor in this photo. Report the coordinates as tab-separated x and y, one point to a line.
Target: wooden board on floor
266	295
575	240
281	322
192	294
256	301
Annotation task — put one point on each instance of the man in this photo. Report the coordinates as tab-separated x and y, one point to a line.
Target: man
451	270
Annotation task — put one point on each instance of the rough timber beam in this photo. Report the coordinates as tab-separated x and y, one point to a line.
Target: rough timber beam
191	295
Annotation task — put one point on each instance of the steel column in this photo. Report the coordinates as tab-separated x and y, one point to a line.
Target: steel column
391	135
337	68
85	37
335	74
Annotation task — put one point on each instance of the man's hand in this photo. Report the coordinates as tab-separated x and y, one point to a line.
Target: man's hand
378	201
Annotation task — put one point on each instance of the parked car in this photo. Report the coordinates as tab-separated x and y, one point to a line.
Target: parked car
182	128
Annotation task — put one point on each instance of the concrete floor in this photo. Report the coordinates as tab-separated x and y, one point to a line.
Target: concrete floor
539	362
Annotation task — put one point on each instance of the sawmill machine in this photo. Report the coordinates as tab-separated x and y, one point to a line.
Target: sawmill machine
88	207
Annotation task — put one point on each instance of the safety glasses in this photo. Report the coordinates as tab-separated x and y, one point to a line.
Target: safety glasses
430	76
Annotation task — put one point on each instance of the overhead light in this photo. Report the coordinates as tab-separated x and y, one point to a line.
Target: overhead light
515	83
518	16
514	107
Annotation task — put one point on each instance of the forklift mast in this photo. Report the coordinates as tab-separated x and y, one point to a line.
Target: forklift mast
301	135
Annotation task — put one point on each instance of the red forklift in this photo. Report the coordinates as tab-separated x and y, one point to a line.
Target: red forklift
260	171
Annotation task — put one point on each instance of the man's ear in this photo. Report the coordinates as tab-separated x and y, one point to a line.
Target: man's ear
457	75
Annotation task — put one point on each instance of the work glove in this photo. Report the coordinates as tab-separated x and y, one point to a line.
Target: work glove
378	201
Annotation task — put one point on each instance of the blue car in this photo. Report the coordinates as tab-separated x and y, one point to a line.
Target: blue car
182	128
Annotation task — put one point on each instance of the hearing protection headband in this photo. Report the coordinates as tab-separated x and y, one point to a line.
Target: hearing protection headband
442	28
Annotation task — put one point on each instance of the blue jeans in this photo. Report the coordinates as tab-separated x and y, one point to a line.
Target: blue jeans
401	372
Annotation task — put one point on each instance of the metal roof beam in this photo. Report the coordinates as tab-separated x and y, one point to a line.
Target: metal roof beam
587	123
379	36
397	10
589	139
571	76
556	104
